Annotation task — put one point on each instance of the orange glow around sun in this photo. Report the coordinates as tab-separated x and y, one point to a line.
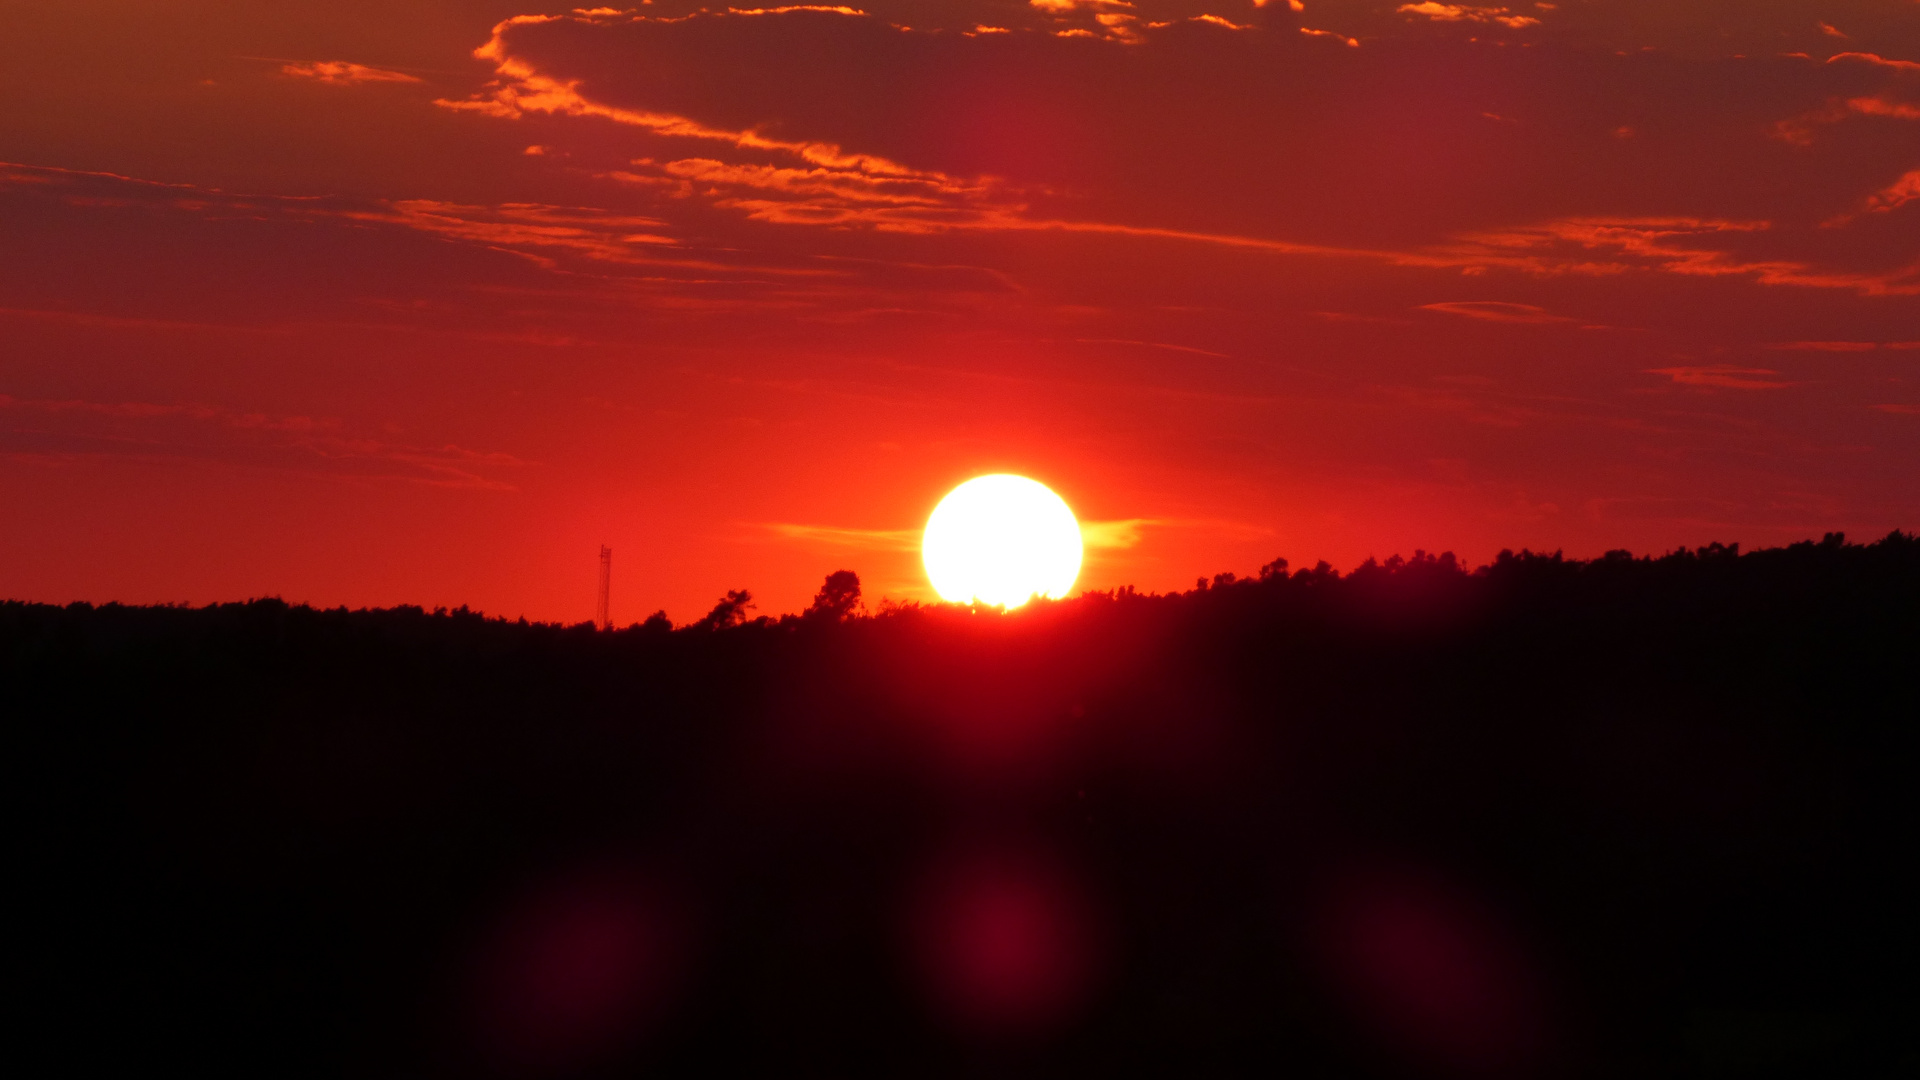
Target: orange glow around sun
1002	540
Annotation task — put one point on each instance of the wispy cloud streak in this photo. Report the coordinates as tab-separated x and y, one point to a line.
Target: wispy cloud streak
159	431
1724	376
840	537
343	73
1468	13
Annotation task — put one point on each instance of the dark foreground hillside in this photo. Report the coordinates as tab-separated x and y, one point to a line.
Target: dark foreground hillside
1650	818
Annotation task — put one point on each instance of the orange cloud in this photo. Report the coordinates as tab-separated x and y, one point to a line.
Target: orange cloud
343	73
527	228
1351	43
520	89
1883	105
1800	129
922	202
1721	375
838	188
847	191
1467	13
1693	247
1062	7
1119	26
1115	25
833	10
1895	195
1876	60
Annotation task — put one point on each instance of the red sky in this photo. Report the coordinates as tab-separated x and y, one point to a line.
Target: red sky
364	303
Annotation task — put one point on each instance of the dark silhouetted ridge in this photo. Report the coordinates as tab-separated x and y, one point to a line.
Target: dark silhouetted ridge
1625	816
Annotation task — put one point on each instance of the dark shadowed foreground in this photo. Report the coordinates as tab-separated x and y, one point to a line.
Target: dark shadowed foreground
1620	818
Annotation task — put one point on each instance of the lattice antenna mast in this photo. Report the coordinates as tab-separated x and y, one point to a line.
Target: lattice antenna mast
600	617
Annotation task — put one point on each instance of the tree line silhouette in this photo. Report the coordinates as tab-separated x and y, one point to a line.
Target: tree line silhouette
1543	817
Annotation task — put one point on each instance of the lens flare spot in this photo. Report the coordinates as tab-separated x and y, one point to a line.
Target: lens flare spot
1006	945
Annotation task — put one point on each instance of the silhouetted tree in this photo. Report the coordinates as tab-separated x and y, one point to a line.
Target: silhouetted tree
838	598
730	611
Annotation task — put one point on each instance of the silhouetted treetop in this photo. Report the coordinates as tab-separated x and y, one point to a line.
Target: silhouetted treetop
838	598
731	611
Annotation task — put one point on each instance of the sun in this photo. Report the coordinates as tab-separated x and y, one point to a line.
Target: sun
1001	540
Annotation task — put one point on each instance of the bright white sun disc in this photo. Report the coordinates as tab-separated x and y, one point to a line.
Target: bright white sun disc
1001	540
